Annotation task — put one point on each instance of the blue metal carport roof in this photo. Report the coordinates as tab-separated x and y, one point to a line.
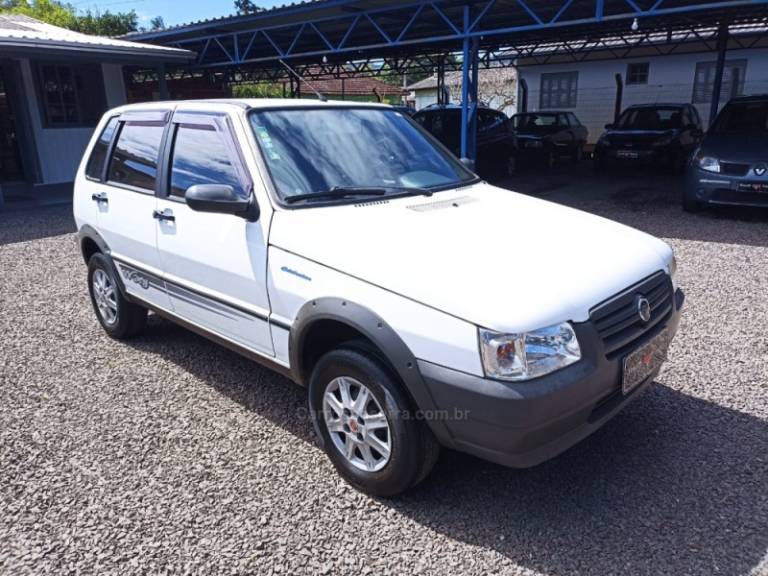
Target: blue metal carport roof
343	30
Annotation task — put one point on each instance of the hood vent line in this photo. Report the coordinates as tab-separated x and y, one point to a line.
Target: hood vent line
442	204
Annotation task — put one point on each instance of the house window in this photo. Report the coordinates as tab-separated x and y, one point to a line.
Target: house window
637	73
71	95
558	90
704	81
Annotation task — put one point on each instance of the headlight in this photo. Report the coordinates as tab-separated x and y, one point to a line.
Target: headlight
529	355
707	163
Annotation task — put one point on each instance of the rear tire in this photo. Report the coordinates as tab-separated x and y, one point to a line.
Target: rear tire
384	460
119	318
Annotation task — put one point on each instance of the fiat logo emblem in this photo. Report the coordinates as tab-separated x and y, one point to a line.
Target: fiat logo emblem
760	169
643	308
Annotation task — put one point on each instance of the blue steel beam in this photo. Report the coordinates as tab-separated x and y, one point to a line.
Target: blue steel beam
434	14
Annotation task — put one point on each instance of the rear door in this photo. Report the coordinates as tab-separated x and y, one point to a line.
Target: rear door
214	264
126	201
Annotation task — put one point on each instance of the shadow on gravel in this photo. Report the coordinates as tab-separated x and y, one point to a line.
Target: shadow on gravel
673	485
650	200
35	224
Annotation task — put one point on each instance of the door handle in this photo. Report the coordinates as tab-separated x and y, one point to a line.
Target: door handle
163	216
100	197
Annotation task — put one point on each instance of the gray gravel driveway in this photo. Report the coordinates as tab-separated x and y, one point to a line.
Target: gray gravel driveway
173	455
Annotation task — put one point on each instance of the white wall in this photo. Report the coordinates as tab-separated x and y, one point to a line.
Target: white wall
60	149
670	79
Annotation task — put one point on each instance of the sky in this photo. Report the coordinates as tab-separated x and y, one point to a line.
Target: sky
172	11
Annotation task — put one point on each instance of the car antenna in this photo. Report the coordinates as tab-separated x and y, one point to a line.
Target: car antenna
320	96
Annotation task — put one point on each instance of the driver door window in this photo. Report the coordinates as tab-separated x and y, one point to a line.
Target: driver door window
200	156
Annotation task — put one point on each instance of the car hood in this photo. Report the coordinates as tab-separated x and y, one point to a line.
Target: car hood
736	147
495	258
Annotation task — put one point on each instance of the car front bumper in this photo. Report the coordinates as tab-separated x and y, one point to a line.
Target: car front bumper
726	189
523	424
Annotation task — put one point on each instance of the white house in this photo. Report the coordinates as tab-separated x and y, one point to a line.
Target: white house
497	88
589	88
54	86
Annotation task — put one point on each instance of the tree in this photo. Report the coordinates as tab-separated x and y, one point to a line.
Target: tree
157	23
246	7
496	87
64	15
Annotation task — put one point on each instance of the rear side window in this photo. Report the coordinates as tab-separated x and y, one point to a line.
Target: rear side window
134	161
200	156
95	166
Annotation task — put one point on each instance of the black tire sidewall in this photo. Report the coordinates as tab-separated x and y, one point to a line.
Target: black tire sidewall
404	464
130	318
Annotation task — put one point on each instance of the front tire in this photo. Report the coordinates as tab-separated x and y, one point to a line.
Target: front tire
119	318
691	204
367	424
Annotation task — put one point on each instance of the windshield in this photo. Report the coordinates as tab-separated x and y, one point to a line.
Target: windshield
533	121
315	150
743	118
650	118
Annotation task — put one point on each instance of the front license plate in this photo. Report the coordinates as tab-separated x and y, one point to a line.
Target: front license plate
753	186
644	361
626	154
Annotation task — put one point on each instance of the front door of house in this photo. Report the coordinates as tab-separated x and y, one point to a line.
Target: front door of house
10	156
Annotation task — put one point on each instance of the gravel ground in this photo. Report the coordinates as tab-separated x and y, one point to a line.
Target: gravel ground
173	455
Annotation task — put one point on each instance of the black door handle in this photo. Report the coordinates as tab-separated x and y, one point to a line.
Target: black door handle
162	216
100	197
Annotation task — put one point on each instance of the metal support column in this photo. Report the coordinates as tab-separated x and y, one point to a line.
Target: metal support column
619	98
469	78
722	46
523	88
162	84
441	99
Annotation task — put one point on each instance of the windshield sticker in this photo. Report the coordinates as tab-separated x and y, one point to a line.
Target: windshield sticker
267	143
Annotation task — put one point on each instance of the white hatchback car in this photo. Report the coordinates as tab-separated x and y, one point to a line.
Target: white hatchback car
341	245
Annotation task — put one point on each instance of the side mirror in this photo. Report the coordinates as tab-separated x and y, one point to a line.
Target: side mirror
221	199
468	163
610	126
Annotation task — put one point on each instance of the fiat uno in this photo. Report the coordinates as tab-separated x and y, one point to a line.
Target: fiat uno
344	247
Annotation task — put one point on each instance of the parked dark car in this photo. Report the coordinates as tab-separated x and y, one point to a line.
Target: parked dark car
731	165
547	136
495	139
656	134
407	110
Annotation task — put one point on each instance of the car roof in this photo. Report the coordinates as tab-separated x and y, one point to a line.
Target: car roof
451	107
543	112
659	105
751	98
224	104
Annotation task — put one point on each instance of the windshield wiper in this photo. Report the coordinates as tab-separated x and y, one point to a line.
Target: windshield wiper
347	191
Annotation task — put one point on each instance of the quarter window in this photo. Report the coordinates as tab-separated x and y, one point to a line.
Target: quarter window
558	90
71	95
200	156
95	167
134	161
637	73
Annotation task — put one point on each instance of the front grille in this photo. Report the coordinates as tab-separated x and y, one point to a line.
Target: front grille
617	319
734	168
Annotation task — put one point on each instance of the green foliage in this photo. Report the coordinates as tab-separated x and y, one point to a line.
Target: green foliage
157	23
246	7
261	90
64	15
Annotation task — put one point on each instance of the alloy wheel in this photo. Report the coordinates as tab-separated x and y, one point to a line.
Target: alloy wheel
105	296
357	424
